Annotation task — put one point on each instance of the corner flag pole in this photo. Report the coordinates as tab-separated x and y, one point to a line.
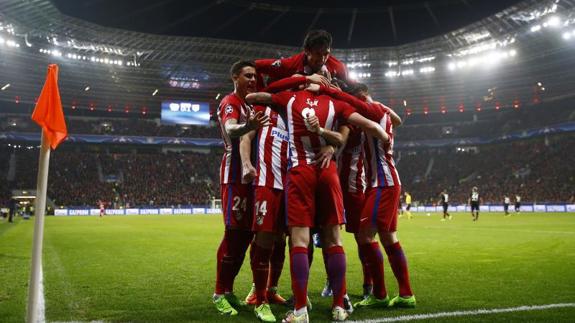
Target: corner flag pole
33	314
49	115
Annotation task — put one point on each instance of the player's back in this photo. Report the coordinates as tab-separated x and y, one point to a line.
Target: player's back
301	105
350	162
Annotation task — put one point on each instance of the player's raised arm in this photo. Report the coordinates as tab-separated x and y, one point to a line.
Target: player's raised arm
370	127
262	98
248	170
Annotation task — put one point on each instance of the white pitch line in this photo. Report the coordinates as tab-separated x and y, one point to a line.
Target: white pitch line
41	299
465	313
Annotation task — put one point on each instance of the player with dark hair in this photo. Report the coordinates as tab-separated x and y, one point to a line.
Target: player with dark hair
313	191
473	202
379	214
445	204
236	118
315	58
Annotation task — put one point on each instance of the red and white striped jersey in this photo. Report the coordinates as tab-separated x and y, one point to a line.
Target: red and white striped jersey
350	162
272	150
379	164
231	107
304	144
380	167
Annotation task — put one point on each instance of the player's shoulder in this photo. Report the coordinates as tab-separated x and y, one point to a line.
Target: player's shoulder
333	62
290	62
231	98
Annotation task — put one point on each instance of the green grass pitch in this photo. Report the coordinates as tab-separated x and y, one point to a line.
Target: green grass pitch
161	268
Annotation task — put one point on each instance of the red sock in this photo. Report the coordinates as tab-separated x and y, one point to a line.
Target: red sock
277	262
237	245
367	279
260	263
374	259
336	266
398	264
299	267
220	287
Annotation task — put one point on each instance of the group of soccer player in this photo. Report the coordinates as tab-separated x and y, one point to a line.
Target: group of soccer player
306	151
474	201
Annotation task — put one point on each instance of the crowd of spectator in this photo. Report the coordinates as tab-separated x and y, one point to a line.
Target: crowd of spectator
484	123
416	127
115	126
80	178
539	170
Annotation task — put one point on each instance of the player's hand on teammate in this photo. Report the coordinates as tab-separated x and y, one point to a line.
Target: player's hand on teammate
248	173
314	88
324	156
257	120
317	79
312	123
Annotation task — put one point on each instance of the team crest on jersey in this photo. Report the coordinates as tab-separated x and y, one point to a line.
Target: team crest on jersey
260	219
229	109
277	63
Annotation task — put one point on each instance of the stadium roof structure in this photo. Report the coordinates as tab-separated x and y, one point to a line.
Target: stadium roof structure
104	66
354	24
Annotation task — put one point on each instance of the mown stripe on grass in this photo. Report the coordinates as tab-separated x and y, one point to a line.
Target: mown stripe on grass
428	316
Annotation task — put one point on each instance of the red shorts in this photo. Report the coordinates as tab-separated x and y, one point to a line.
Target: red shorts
237	205
353	204
269	209
313	190
380	208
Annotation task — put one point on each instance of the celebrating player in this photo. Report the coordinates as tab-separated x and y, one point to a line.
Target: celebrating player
236	118
315	58
312	190
379	214
268	177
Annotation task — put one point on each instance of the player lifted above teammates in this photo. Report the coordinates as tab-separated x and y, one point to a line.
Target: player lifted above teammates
315	58
473	201
311	188
379	214
236	118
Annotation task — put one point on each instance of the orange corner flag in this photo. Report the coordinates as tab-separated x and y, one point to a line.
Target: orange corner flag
48	111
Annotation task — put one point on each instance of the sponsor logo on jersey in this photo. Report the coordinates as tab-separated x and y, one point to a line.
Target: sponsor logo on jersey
281	134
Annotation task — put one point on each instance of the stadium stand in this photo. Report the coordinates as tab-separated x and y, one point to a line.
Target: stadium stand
81	178
522	167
